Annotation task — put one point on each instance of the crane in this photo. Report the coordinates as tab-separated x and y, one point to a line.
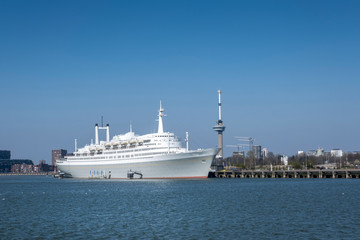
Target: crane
238	146
247	139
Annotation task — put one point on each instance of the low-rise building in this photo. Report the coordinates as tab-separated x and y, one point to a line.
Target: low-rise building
24	168
6	165
336	153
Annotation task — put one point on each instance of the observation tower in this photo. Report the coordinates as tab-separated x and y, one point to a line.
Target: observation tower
220	128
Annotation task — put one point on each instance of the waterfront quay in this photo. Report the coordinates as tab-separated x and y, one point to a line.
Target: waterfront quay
324	173
25	174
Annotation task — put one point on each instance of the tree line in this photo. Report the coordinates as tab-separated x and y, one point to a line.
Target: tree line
348	160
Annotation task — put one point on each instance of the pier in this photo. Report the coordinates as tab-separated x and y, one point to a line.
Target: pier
324	173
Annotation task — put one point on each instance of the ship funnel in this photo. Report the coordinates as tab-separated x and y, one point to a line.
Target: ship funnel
107	133
107	128
96	134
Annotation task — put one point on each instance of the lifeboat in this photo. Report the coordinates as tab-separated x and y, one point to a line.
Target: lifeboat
99	149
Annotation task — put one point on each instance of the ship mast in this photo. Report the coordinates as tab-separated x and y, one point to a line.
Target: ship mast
161	115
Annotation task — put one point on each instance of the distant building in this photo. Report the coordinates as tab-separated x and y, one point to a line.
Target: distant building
5	154
284	160
336	153
311	153
6	165
43	167
319	152
257	151
24	168
241	153
300	153
264	152
57	154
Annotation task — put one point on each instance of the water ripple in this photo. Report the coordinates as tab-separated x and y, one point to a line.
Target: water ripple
46	208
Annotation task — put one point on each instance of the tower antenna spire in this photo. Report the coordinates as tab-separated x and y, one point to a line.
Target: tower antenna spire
219	105
219	128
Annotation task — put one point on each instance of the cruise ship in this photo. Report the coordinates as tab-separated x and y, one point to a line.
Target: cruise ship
154	155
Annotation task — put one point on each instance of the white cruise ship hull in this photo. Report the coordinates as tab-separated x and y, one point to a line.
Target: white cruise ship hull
192	164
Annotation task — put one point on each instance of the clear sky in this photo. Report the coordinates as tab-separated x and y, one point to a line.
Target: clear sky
288	70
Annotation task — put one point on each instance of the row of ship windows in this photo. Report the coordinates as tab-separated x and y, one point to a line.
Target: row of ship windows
164	140
123	156
125	151
131	150
97	172
136	155
132	146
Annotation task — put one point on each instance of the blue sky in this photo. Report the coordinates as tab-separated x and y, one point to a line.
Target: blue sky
289	72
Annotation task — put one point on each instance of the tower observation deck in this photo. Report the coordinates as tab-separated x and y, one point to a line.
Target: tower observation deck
220	128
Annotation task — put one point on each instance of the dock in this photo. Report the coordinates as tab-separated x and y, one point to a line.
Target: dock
324	173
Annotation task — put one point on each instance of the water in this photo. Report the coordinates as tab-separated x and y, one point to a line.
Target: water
45	208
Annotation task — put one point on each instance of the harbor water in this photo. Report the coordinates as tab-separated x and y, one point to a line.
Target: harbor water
40	207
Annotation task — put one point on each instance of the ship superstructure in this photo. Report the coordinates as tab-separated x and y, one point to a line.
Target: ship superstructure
155	155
